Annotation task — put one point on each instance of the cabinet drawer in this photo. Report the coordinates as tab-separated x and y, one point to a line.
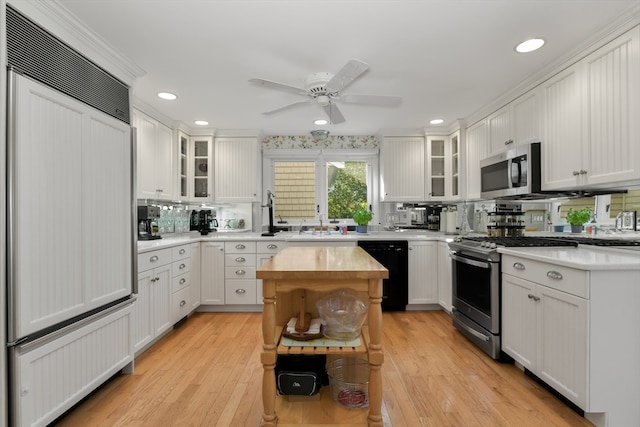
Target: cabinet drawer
270	247
181	252
240	272
149	260
240	292
180	304
564	279
244	260
180	267
240	247
180	282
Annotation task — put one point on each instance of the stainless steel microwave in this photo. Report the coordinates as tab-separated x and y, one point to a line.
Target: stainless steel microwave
511	173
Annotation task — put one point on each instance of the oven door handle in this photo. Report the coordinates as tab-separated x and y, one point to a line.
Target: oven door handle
481	264
473	332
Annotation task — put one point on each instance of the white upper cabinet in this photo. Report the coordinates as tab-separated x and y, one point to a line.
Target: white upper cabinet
443	167
403	169
156	164
476	150
237	169
516	123
200	175
591	125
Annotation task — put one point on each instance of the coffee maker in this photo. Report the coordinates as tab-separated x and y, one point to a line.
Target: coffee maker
146	216
207	222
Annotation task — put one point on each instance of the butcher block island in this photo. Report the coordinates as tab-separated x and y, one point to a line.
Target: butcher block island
305	274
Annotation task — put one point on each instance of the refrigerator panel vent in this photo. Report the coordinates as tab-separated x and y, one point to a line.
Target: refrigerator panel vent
38	54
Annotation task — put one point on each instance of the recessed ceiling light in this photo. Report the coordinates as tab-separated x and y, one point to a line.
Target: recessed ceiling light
436	121
201	122
166	95
529	45
320	122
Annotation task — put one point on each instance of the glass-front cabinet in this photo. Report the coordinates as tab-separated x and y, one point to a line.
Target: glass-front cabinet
183	151
436	156
443	166
200	185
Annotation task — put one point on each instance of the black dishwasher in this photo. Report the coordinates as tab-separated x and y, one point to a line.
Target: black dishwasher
394	255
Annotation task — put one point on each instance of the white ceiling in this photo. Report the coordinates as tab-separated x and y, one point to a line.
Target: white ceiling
445	58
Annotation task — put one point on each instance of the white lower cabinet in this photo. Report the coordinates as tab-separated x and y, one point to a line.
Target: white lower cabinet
423	272
266	249
152	308
181	283
240	273
196	263
444	276
577	331
212	273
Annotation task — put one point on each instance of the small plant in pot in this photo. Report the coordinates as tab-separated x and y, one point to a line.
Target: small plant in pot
362	217
577	218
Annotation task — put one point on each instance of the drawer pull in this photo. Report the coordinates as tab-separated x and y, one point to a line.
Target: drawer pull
241	272
240	291
182	303
183	281
182	251
154	258
155	279
182	266
241	247
509	141
240	259
554	275
272	246
533	297
518	266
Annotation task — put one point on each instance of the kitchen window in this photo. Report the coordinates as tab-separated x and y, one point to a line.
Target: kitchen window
312	182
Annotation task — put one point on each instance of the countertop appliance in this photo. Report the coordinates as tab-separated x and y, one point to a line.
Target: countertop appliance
514	172
394	255
207	222
69	290
147	215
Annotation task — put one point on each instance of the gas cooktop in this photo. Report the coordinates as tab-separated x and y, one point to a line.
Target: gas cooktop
536	241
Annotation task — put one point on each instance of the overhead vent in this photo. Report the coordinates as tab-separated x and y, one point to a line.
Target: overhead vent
38	54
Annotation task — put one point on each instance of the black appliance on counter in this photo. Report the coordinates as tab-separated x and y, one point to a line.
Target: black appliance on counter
147	215
394	256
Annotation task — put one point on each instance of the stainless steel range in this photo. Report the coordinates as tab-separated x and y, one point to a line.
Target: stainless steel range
476	281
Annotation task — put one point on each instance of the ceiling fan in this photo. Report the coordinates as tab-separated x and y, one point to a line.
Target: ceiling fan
324	90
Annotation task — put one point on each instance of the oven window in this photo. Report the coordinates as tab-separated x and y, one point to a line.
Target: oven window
473	286
495	176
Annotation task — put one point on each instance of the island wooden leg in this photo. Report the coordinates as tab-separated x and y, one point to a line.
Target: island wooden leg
376	356
269	355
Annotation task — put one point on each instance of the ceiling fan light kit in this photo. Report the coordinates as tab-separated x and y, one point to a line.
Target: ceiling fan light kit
324	89
320	134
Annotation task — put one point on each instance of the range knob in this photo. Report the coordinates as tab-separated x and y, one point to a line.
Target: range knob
492	245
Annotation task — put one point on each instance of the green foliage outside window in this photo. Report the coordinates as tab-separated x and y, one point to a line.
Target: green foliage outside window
347	189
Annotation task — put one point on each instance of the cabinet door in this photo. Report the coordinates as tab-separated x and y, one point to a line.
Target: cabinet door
423	272
183	166
161	291
454	166
525	118
562	343
499	130
519	320
142	317
145	155
195	275
403	169
200	186
165	163
236	169
612	111
444	276
438	170
476	149
562	142
212	273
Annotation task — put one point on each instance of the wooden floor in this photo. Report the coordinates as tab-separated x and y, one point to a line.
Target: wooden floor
207	372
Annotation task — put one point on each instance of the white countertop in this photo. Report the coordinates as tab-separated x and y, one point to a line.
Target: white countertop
581	257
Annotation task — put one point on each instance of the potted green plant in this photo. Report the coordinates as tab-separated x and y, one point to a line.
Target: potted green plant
576	218
362	217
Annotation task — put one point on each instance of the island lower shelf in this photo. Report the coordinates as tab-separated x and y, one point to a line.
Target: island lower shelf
306	348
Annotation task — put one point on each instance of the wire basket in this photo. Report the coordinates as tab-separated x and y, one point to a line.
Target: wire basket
349	381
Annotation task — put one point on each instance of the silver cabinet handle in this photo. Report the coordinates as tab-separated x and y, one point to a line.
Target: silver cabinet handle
240	272
182	251
182	266
576	173
241	247
554	275
155	279
533	297
272	246
240	291
508	141
182	303
183	281
583	172
240	259
518	266
153	258
159	190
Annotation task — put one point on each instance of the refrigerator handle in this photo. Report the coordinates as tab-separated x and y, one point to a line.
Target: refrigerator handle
134	213
11	206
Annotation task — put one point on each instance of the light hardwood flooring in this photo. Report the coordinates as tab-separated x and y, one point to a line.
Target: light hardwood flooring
207	372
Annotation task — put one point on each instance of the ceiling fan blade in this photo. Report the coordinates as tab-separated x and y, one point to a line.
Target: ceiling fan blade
381	100
287	107
278	86
352	70
335	116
